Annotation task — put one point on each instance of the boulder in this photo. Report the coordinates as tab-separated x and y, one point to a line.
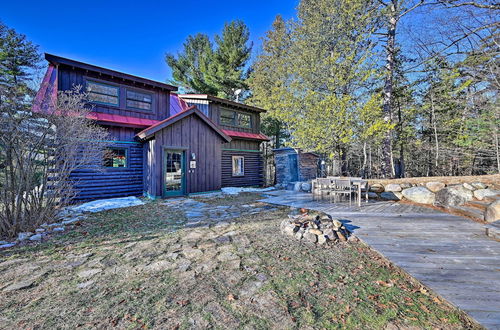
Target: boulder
310	237
393	187
372	195
453	196
480	194
468	186
316	231
306	186
405	185
376	187
493	212
435	186
479	185
391	196
420	195
321	239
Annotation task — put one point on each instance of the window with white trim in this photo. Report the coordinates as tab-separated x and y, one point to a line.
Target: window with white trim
238	166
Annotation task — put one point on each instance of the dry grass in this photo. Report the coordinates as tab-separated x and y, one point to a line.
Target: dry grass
245	275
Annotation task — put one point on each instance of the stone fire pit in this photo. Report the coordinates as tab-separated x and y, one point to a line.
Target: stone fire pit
315	228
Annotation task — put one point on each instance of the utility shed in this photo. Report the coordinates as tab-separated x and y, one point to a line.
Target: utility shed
293	165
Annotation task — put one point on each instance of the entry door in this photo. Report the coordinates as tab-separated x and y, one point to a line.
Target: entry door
173	167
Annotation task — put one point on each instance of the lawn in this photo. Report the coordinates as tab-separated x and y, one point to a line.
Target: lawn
140	267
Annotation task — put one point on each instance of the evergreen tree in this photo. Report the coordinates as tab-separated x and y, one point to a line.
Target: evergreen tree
227	69
190	68
202	69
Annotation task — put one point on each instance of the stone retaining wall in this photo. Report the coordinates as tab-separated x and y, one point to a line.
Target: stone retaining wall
441	194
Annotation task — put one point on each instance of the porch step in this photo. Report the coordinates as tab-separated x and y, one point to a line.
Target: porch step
468	211
478	205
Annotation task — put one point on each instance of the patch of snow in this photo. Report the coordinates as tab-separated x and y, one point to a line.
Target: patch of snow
107	204
237	190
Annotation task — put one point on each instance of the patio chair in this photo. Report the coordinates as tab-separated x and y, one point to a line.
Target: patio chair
321	185
341	187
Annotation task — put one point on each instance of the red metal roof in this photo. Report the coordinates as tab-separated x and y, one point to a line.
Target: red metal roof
245	135
124	120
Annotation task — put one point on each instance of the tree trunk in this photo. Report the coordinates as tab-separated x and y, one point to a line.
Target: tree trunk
436	141
365	160
388	168
497	151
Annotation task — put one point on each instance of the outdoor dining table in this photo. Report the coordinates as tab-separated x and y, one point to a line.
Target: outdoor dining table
358	182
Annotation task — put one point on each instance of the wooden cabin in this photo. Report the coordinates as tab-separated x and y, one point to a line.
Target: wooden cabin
163	144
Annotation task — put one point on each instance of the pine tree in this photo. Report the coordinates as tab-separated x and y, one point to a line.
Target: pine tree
227	70
202	69
190	68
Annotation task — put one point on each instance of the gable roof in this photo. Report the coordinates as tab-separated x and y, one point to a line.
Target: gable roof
54	59
221	101
148	132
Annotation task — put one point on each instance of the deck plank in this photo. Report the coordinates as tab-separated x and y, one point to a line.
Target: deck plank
448	253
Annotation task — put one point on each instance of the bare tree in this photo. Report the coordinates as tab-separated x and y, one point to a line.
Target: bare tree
39	151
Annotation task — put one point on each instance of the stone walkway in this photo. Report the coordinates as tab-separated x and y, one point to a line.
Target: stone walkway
201	214
449	254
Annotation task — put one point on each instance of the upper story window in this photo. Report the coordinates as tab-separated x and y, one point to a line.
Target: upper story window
138	100
103	93
234	118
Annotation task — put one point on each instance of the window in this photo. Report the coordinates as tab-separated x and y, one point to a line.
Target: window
227	117
238	165
115	157
233	118
138	100
103	93
244	120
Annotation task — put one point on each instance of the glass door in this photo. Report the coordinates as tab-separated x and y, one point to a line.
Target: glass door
173	167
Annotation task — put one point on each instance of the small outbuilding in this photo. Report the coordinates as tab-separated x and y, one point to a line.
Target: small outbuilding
294	165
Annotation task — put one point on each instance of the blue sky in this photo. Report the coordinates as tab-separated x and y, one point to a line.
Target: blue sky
133	36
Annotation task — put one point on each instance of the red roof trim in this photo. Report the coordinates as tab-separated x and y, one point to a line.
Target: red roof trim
124	120
245	135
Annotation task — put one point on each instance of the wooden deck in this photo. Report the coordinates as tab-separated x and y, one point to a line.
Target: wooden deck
447	253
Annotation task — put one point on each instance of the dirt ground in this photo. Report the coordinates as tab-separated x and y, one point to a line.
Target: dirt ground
139	268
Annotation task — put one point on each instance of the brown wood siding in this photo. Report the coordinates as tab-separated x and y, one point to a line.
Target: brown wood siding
254	174
242	145
192	135
69	77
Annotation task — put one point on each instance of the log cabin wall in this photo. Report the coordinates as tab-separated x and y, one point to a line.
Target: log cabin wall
191	135
253	163
97	181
